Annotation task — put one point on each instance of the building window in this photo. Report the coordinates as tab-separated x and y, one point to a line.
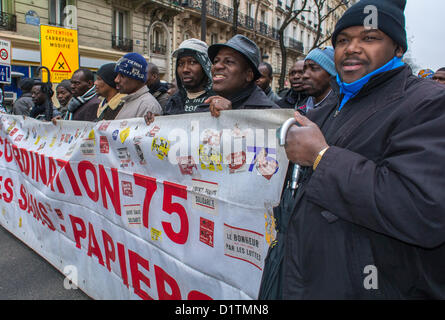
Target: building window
56	12
120	37
158	41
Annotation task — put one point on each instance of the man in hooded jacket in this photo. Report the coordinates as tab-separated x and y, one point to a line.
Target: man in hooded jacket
193	77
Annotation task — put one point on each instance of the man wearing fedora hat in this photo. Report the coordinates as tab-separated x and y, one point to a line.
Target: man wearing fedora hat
234	72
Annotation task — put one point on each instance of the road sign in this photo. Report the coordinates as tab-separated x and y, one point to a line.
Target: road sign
5	61
59	51
5	74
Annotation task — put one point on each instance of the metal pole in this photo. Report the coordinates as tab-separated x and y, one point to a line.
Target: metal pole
203	20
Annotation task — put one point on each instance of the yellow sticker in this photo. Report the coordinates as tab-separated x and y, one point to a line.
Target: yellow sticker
155	234
124	134
20	222
38	139
91	135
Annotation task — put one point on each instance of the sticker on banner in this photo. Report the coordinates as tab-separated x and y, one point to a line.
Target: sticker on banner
204	196
206	231
124	157
161	147
210	158
187	165
127	189
156	234
133	213
124	134
243	244
104	145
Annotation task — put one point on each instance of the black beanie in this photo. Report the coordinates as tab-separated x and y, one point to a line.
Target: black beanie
391	19
107	73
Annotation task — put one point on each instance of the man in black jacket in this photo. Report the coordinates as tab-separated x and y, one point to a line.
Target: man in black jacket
295	96
157	88
235	71
367	221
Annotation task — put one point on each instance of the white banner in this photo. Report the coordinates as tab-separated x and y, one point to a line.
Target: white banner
180	209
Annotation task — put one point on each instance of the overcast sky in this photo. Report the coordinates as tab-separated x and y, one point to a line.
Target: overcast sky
424	24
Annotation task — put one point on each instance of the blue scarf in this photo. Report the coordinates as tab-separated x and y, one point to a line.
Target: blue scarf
350	90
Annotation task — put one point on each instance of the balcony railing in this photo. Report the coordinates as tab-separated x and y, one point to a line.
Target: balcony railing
224	13
8	21
122	44
158	49
295	44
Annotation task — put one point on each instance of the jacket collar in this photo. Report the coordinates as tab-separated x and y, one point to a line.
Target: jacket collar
136	95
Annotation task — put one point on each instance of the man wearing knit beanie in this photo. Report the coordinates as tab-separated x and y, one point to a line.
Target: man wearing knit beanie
111	103
367	219
131	76
319	67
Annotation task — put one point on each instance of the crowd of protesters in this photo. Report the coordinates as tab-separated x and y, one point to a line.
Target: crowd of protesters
369	143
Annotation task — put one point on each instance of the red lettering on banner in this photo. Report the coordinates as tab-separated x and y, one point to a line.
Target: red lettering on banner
69	171
113	191
110	254
9	195
32	206
93	246
25	156
16	153
78	233
83	167
52	170
150	185
8	155
23	203
40	168
122	263
1	142
46	220
162	278
170	190
137	276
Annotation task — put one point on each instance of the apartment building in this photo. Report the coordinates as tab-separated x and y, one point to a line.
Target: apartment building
108	29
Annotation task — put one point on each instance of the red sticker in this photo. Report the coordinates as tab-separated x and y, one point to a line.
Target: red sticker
104	146
206	231
127	189
186	165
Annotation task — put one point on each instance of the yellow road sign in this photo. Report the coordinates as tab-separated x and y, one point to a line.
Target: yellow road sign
59	52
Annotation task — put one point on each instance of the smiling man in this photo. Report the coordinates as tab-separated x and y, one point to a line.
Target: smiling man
367	220
235	71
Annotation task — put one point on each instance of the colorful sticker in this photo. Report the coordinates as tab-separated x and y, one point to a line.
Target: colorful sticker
237	162
243	244
265	165
153	131
127	189
140	154
156	235
115	134
124	134
210	158
206	231
104	126
104	145
204	196
161	147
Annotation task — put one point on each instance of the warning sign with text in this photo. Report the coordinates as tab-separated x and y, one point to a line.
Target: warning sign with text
59	51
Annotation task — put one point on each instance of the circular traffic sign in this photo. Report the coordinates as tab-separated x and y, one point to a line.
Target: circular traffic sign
4	54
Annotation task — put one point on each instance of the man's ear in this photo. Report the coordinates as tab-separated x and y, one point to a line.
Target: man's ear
250	75
399	52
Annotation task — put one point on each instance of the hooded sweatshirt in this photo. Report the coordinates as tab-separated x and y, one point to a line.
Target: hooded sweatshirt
183	101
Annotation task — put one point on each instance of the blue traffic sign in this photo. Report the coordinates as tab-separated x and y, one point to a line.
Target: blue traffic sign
5	74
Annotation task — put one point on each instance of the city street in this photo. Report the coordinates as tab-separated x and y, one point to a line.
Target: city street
24	275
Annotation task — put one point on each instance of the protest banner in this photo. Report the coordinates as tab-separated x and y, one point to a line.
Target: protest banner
180	209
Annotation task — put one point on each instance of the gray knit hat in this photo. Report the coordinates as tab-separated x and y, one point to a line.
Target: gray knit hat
324	58
191	44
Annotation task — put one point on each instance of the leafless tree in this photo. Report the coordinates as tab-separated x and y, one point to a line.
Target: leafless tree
291	13
322	12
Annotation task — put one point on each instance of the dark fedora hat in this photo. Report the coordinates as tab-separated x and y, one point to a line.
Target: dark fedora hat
246	47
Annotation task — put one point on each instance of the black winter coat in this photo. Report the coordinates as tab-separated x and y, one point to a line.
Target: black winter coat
369	223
